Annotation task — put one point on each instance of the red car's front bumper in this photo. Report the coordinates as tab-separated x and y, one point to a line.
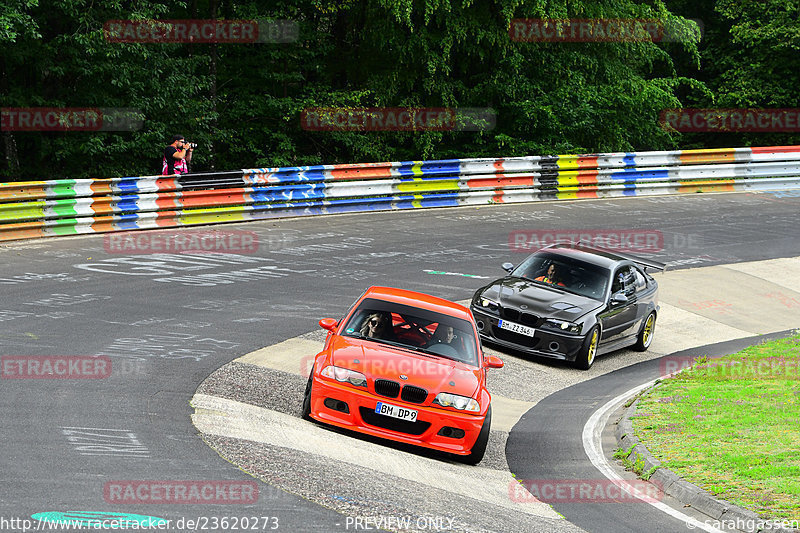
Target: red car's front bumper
430	429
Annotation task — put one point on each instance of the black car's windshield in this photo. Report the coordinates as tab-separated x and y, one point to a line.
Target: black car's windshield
415	329
564	272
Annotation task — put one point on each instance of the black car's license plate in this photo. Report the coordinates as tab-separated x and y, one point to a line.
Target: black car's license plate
516	328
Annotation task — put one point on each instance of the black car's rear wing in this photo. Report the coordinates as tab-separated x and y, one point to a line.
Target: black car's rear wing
580	245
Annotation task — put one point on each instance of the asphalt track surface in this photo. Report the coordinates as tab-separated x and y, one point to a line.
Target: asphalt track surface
536	452
169	322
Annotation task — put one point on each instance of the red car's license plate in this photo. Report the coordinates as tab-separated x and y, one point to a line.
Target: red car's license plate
396	412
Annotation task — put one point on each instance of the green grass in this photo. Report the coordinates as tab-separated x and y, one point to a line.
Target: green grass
732	426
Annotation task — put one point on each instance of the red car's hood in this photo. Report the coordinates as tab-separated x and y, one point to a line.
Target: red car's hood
381	361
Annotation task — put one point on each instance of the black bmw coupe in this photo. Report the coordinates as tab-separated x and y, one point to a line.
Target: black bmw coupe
570	302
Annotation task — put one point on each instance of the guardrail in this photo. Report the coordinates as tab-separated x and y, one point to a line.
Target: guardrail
69	207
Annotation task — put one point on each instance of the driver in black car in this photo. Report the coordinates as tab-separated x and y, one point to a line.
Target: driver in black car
552	276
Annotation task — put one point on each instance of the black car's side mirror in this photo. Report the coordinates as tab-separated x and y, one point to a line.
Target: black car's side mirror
508	267
619	299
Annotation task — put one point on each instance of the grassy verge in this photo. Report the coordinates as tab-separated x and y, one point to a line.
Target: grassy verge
732	426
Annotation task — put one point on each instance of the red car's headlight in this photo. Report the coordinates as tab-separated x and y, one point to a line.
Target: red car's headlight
345	375
462	403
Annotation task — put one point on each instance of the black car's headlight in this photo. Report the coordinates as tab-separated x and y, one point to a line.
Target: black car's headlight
345	375
462	403
562	326
486	304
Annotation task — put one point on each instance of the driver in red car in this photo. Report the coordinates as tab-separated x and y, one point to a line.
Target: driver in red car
444	334
447	335
551	277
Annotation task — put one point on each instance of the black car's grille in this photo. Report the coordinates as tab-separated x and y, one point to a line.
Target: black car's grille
414	394
529	320
387	388
372	418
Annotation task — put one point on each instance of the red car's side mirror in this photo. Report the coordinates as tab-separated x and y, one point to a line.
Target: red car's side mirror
328	323
493	362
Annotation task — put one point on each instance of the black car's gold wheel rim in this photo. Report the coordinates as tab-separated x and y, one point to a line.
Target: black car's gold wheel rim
647	334
592	348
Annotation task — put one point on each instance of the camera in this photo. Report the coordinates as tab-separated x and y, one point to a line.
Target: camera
190	145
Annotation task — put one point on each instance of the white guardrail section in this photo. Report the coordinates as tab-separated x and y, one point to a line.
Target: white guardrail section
68	207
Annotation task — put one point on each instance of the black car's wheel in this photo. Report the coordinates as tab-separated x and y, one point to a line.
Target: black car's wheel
479	448
588	351
305	414
646	333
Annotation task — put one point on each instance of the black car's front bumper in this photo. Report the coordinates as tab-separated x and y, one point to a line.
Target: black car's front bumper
544	343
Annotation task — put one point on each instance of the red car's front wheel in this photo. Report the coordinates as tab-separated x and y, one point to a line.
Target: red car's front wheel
479	448
305	414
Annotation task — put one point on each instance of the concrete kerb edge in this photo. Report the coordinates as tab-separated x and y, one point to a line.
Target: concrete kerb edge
673	485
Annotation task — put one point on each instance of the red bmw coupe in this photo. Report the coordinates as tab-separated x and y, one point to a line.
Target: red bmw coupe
408	367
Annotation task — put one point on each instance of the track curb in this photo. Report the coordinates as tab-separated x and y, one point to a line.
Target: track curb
671	484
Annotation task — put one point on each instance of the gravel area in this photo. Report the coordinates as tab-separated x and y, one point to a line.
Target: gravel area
533	379
259	386
358	492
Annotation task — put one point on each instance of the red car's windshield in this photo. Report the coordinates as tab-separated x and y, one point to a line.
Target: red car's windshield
417	329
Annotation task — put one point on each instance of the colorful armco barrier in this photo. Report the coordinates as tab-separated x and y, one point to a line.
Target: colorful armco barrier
69	207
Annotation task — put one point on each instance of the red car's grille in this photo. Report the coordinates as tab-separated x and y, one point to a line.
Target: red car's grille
391	389
414	394
372	418
387	388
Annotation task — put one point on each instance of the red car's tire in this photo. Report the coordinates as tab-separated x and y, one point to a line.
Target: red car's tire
305	414
479	448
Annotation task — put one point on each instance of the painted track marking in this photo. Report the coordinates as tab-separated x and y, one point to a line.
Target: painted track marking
592	444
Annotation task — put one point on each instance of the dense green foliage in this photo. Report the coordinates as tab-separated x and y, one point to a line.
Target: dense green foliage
242	103
750	58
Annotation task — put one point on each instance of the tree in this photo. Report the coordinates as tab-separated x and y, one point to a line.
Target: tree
749	59
242	103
